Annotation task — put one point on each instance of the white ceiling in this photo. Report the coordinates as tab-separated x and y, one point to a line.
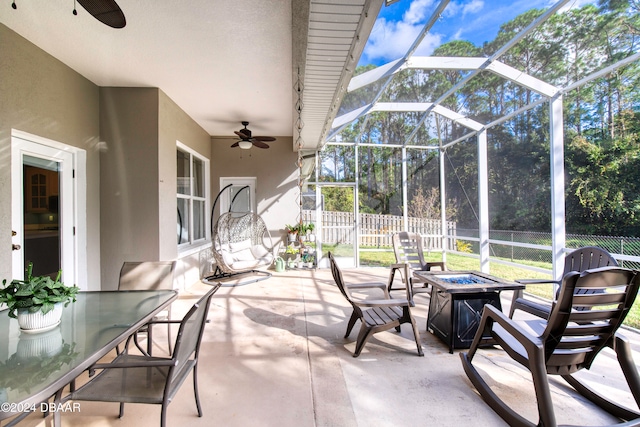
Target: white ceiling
221	61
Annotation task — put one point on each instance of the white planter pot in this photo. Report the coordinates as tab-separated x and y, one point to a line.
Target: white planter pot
38	322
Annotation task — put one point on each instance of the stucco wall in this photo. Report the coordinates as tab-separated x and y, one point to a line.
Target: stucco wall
129	178
276	173
175	125
129	135
42	96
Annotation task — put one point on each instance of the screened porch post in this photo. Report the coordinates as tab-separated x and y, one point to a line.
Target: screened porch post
443	210
405	193
483	201
556	151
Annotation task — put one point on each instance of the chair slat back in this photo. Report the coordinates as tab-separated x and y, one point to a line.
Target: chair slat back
190	334
407	247
148	275
337	277
573	337
587	258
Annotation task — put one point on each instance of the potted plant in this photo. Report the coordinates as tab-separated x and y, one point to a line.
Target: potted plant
308	260
292	231
37	301
310	227
290	253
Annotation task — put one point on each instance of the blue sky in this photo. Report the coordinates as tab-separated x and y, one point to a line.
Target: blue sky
474	20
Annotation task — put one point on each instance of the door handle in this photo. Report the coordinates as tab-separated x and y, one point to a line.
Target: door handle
15	247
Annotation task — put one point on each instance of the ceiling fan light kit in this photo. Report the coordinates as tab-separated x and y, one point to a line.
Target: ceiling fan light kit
247	141
245	145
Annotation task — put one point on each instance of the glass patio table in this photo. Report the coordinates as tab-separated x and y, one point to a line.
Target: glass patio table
34	366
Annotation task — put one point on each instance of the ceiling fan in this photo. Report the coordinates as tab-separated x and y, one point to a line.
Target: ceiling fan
106	11
246	140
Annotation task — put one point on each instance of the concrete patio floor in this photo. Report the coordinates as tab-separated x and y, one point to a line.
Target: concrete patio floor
274	355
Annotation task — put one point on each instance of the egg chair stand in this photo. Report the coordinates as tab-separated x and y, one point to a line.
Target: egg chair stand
242	248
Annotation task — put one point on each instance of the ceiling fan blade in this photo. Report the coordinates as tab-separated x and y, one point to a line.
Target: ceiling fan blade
259	144
242	134
237	144
106	11
264	138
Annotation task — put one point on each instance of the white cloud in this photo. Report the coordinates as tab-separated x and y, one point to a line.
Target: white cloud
417	12
390	40
474	6
456	8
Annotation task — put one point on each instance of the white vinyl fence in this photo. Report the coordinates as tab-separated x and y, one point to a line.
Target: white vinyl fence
376	230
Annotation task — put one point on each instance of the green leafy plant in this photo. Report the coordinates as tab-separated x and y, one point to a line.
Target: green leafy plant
292	229
291	250
305	229
37	293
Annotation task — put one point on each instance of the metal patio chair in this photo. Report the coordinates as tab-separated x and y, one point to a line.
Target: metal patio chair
149	275
566	343
375	315
408	249
147	379
581	259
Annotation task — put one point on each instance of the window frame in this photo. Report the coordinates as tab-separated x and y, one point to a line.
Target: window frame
191	198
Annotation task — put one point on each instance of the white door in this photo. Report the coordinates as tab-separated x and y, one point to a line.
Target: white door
238	194
43	215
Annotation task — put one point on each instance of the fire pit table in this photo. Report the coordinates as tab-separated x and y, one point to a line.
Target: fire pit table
457	300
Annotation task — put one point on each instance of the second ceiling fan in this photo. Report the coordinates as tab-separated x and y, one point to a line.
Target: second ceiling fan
247	140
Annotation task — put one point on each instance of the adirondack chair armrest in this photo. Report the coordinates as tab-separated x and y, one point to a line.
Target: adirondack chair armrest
399	265
383	302
495	315
536	281
532	307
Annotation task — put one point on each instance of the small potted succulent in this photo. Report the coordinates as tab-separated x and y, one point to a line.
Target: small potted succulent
37	301
308	260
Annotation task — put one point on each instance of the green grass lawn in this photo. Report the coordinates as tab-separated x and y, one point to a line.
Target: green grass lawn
458	263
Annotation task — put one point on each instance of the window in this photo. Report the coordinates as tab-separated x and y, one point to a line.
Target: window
192	191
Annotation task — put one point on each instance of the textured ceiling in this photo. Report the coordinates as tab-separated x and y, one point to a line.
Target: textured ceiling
221	61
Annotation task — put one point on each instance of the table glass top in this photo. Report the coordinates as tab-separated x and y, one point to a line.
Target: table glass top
31	363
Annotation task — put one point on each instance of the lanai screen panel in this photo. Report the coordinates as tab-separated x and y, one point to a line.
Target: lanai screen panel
461	189
380	189
519	186
337	164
